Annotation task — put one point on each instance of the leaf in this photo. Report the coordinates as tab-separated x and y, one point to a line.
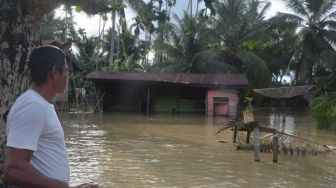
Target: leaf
323	109
209	62
78	9
104	17
298	7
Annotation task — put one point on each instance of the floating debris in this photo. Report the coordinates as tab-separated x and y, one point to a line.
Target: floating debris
288	144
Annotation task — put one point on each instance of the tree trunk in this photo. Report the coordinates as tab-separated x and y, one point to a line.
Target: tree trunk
112	40
123	24
161	35
19	33
122	17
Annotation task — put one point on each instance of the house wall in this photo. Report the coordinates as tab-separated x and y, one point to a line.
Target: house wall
168	98
132	97
125	97
225	105
178	99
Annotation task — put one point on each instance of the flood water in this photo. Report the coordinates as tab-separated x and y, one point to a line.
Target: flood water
132	150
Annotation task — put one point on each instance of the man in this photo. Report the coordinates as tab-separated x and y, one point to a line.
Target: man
36	156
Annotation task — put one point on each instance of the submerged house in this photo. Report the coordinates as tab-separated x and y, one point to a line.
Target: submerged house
211	94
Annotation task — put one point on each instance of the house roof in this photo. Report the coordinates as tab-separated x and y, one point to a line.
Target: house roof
207	80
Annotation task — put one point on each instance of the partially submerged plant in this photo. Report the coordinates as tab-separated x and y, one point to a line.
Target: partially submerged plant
323	109
249	107
248	115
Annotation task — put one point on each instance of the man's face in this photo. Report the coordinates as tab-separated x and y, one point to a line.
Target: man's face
62	79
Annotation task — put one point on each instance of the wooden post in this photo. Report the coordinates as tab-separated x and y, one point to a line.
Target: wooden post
256	143
148	99
235	134
275	148
248	135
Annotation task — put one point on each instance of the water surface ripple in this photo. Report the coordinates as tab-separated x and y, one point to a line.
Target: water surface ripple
130	150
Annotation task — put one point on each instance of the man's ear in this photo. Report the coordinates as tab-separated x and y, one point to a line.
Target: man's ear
53	72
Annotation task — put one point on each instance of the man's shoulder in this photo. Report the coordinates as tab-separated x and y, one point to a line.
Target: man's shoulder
28	98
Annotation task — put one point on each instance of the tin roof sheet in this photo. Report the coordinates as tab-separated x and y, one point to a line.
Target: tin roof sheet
177	78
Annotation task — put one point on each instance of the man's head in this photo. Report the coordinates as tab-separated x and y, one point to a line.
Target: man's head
48	65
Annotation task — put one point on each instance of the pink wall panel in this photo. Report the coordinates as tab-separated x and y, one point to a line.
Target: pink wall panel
221	108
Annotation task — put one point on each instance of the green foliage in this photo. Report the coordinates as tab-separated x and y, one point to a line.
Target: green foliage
277	52
314	41
78	9
241	28
128	54
323	109
228	36
87	52
57	28
77	80
249	107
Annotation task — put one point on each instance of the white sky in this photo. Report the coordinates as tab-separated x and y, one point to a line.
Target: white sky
91	24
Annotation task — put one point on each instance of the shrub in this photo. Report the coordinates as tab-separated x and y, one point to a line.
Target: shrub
323	109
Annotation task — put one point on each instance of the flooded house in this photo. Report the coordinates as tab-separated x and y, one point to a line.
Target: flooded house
210	94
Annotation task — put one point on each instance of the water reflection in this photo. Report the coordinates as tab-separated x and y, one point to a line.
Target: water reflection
129	150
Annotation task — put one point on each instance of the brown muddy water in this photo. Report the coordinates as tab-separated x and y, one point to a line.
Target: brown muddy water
132	150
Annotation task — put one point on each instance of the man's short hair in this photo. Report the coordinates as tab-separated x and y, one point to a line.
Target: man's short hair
42	60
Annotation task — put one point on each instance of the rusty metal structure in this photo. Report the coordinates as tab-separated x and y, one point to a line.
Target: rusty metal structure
204	80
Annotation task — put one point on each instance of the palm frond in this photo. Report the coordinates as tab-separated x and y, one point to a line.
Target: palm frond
139	6
330	36
93	7
329	15
325	82
287	18
254	33
209	61
328	59
315	6
324	10
263	11
235	6
230	11
298	7
178	20
252	10
323	109
328	24
251	60
171	51
255	68
175	68
209	4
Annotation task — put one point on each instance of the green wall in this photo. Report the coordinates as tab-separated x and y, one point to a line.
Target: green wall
166	104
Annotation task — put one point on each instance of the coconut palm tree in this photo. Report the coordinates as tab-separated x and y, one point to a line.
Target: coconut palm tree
315	38
313	60
238	22
181	44
277	52
208	7
188	48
